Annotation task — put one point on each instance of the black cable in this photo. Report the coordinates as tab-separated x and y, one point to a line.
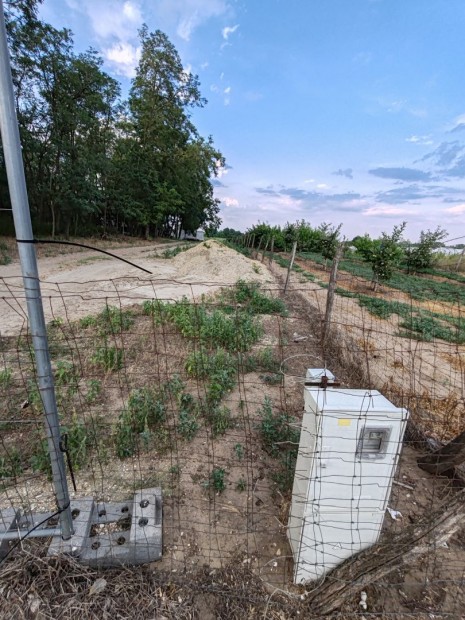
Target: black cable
83	245
18	542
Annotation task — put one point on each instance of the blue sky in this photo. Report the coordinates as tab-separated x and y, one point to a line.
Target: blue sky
344	111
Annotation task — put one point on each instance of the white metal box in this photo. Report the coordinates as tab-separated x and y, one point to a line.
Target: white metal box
349	448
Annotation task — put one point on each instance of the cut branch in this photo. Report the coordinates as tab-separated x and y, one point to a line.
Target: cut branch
447	457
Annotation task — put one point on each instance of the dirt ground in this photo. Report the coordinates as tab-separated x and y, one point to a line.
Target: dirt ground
244	525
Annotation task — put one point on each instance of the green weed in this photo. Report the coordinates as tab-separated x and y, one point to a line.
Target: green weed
276	432
217	480
109	358
241	485
6	377
10	464
239	451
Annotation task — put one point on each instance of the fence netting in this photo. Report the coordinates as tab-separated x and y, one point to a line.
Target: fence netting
196	386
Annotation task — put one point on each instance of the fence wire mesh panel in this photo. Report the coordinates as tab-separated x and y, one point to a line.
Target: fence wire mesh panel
192	380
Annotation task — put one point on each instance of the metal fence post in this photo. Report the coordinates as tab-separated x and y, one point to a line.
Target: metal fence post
27	255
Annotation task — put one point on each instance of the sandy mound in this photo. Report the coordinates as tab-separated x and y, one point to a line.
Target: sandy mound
213	261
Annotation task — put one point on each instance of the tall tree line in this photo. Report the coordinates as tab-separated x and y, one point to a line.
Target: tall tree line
94	162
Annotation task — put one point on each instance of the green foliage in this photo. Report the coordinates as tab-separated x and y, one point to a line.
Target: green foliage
427	328
249	295
109	358
10	464
218	418
239	451
217	480
421	256
241	485
386	254
5	258
172	252
188	424
213	328
264	359
6	377
140	423
276	431
281	441
113	320
94	388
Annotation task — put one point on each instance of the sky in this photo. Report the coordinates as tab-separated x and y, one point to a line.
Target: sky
341	111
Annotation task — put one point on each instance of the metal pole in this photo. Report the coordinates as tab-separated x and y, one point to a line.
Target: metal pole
27	255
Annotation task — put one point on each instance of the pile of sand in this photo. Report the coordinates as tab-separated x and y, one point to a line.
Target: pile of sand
211	261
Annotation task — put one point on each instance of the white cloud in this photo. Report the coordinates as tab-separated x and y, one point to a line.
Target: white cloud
387	210
190	14
229	30
109	19
457	210
123	57
322	186
420	140
230	202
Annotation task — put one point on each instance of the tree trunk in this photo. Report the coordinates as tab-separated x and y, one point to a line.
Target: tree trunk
375	563
447	457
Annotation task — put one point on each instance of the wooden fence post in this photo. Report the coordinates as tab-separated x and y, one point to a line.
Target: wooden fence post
294	248
331	291
266	247
271	250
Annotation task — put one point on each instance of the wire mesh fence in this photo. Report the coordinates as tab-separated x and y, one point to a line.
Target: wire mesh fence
195	384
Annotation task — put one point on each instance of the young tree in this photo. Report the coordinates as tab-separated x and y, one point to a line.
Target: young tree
385	255
421	256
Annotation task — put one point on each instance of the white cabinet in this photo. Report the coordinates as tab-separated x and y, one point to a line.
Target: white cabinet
349	447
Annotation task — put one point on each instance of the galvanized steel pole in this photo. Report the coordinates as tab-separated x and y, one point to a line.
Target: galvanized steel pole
27	254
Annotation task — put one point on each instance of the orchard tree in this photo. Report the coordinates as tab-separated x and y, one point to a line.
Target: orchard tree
421	256
385	255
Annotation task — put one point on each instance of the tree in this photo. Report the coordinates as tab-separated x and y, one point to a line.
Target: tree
421	256
385	255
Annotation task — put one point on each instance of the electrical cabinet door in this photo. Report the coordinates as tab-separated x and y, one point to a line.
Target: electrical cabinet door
354	463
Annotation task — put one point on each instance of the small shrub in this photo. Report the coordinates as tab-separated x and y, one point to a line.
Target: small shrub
113	320
219	419
241	485
188	424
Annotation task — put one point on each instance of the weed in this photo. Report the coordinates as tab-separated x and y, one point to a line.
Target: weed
249	295
256	268
239	451
56	323
6	376
65	373
109	358
217	480
188	425
241	485
10	465
275	429
113	320
262	360
40	459
273	379
145	411
88	321
5	258
219	419
172	252
94	387
219	368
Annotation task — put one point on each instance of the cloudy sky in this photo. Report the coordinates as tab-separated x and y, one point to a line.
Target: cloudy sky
348	111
